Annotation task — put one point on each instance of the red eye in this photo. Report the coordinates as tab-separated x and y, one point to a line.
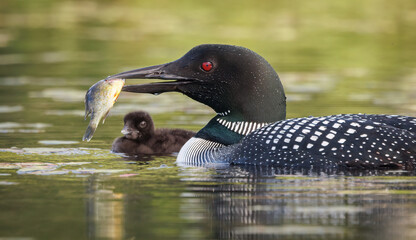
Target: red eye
207	66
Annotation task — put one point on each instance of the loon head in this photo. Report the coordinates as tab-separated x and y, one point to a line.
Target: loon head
232	80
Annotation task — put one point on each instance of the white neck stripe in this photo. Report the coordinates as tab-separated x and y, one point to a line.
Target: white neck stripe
224	113
241	127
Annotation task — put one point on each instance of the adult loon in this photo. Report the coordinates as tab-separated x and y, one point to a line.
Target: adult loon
250	126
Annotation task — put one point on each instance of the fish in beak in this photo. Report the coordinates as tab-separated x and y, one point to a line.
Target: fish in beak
163	71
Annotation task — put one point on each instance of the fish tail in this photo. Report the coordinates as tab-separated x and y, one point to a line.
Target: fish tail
89	132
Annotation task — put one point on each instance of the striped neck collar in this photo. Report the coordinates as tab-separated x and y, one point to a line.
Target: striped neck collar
241	127
228	129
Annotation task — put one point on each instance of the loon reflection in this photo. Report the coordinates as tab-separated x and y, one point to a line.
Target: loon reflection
258	202
254	202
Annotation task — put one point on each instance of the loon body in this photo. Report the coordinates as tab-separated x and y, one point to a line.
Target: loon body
250	126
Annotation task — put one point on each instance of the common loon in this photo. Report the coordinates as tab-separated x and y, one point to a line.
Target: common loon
250	126
141	137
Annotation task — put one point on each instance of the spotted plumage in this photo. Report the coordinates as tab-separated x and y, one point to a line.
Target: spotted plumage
356	140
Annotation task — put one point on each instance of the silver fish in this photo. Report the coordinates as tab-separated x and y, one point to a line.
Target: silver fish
99	99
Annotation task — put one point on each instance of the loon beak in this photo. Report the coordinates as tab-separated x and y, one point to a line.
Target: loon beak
125	131
131	134
162	71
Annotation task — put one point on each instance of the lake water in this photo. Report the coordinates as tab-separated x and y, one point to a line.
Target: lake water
332	56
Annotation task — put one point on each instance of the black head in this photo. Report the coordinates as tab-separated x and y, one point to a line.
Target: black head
224	77
138	126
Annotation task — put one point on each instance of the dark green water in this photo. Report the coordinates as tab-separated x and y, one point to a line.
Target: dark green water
333	57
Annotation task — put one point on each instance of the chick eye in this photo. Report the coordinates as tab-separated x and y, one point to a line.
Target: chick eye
206	66
143	124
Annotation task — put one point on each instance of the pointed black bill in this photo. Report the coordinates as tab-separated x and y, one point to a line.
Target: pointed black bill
152	72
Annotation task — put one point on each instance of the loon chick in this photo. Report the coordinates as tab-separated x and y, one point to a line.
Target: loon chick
141	137
250	126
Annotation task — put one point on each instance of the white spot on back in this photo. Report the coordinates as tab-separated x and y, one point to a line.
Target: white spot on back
306	131
351	131
330	136
299	139
342	140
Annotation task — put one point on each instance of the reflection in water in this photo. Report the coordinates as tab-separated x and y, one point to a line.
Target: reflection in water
261	203
105	211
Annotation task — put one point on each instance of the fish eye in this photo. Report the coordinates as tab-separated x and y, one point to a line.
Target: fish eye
143	124
206	66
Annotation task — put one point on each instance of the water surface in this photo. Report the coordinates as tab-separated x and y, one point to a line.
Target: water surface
333	57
